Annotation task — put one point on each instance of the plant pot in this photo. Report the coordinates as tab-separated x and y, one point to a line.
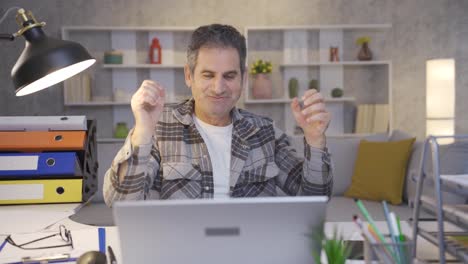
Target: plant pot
262	86
121	130
365	54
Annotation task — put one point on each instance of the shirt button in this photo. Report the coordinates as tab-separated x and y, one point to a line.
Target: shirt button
205	156
207	188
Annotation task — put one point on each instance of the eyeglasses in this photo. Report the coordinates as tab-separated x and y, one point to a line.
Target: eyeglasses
64	233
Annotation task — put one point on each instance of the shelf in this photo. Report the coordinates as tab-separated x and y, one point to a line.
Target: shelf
112	28
98	104
111	103
457	214
339	63
286	101
323	27
142	66
110	140
455	183
345	135
453	248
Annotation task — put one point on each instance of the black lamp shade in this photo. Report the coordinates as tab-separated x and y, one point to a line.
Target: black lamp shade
47	61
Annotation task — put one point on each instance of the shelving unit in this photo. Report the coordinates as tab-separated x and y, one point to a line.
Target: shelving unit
362	81
453	213
113	84
303	52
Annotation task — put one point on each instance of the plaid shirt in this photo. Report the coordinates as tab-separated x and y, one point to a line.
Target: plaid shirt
176	165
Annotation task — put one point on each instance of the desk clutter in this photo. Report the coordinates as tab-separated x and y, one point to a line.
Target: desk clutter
397	249
47	159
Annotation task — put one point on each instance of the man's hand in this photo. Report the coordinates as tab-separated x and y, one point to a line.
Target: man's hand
313	118
147	105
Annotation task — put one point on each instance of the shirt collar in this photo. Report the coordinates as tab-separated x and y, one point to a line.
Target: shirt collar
184	111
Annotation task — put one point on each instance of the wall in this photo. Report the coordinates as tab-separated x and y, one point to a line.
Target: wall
422	29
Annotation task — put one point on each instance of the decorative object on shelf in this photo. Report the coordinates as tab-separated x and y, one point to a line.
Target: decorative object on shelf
313	84
293	87
337	92
113	57
121	95
334	54
365	54
262	85
155	52
121	130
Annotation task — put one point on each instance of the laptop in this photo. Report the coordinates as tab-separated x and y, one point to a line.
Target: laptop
241	230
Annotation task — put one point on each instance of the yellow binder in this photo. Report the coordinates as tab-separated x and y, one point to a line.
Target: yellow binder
41	191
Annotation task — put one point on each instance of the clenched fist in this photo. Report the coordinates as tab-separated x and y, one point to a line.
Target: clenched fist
313	118
147	105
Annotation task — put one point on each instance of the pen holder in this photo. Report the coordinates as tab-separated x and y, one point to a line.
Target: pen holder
389	252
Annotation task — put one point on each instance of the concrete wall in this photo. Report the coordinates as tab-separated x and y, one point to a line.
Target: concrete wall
422	29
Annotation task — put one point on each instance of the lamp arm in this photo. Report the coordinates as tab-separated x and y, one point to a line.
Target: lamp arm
7	36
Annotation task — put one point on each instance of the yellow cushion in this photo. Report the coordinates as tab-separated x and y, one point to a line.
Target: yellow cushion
380	169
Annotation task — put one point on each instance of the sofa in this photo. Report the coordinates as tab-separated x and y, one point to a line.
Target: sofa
343	151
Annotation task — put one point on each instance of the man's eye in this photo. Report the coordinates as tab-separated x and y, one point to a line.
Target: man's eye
207	76
230	77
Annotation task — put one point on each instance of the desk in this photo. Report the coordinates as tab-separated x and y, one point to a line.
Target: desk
85	236
92	216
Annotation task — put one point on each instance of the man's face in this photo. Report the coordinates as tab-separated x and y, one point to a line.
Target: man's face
216	84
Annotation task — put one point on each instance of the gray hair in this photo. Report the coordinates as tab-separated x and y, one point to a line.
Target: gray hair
216	35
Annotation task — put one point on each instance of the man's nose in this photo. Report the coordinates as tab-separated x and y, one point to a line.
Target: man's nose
219	85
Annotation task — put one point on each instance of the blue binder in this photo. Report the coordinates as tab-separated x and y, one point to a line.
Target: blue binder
36	164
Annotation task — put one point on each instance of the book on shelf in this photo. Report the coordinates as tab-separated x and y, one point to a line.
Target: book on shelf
78	89
372	118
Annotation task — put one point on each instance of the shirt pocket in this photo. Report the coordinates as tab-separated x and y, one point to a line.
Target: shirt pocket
257	181
180	181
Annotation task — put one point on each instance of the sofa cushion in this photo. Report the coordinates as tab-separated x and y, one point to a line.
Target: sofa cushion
380	169
343	151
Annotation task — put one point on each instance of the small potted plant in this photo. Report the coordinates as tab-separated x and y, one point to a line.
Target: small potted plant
365	54
335	249
337	92
293	87
262	85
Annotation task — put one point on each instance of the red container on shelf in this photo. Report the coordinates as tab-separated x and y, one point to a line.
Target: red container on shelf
155	52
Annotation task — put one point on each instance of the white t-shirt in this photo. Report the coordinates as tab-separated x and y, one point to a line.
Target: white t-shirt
218	141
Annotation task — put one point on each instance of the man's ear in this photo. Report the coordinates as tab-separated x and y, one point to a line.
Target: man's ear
188	76
245	77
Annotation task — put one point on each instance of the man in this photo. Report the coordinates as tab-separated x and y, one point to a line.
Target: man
206	147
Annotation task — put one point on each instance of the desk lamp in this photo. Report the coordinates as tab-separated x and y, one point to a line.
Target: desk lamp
45	61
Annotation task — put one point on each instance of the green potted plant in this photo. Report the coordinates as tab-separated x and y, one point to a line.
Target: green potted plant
337	92
365	54
262	85
293	87
313	84
336	249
